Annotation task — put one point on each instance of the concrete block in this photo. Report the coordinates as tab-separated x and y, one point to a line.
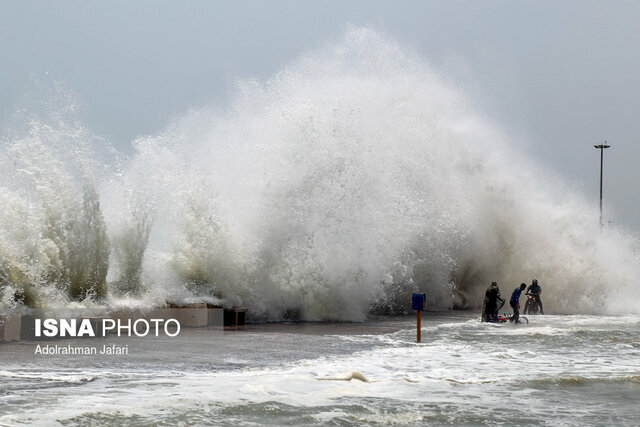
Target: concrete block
97	323
124	315
28	328
193	315
215	317
10	326
234	316
162	313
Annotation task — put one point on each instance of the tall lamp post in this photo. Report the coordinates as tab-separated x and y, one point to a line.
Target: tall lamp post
601	147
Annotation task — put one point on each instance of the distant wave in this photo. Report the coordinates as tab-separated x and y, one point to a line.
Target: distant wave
583	380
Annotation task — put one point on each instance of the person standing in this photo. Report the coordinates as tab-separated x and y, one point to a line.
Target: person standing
515	302
491	298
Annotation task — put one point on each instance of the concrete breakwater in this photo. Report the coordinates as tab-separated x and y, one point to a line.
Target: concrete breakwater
29	325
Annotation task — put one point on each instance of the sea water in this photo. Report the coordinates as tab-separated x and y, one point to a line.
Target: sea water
330	191
557	370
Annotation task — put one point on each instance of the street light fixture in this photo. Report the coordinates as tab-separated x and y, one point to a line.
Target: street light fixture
601	147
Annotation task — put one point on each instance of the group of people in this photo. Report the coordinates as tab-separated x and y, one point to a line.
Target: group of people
493	302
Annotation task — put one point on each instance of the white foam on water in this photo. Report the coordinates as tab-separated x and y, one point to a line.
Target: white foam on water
463	369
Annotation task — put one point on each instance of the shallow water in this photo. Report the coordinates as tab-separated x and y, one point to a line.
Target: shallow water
558	370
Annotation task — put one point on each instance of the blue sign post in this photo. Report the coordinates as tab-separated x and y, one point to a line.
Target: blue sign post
418	302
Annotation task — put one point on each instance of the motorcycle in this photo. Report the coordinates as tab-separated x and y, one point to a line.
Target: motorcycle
532	306
504	318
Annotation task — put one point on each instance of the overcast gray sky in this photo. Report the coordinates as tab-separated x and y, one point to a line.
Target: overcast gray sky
563	75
